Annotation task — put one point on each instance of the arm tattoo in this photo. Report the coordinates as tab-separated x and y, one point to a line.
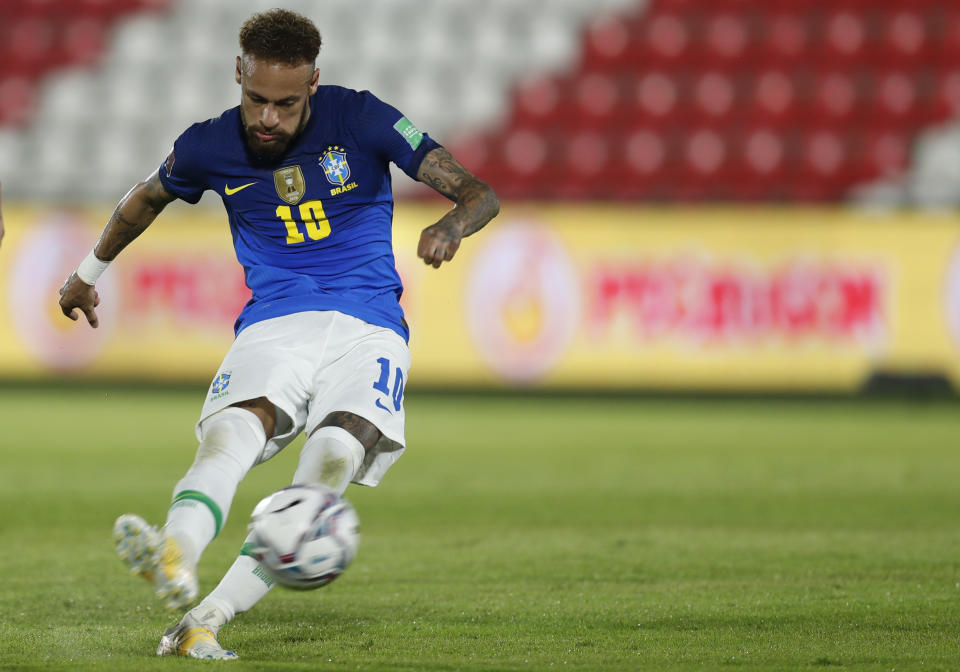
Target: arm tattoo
442	172
476	202
135	212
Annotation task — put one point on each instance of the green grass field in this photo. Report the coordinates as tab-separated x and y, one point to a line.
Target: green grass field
519	534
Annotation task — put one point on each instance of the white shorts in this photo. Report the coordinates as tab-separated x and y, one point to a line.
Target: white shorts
311	364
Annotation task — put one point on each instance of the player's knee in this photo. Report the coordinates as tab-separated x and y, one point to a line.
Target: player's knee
263	409
232	435
331	456
360	428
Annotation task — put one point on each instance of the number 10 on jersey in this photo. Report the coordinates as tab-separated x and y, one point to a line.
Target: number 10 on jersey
312	219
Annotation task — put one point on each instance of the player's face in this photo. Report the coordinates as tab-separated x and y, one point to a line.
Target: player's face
274	103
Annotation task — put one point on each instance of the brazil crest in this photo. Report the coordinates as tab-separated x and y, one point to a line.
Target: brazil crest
335	166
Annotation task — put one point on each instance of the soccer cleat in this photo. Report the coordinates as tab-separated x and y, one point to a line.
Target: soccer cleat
193	639
156	557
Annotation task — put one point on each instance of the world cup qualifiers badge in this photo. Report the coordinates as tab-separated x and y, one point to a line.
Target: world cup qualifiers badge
337	170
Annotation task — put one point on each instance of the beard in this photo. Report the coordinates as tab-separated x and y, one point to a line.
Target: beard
272	150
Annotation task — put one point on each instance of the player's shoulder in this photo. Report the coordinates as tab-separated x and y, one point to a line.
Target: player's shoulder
349	101
211	141
215	128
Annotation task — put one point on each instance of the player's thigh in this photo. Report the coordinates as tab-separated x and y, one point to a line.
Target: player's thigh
260	366
367	381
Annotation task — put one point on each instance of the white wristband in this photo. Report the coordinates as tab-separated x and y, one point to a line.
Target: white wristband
91	268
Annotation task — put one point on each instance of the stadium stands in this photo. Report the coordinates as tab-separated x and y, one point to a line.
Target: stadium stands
657	100
734	100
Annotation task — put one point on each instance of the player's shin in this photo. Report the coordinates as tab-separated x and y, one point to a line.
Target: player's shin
244	584
330	456
231	442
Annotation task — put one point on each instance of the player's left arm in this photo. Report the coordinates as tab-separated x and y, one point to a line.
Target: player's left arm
476	204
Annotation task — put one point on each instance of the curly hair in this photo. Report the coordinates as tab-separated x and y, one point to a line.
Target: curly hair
280	36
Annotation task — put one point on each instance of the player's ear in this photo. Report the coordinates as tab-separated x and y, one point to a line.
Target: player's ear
315	81
237	73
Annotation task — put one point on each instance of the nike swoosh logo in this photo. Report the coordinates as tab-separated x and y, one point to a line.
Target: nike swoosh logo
230	192
383	407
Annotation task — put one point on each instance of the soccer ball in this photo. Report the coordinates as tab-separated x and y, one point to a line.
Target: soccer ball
305	536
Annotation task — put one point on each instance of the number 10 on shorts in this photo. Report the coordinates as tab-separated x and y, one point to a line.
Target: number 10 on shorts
383	384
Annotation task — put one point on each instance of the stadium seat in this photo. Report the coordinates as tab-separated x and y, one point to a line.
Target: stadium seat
844	41
906	39
16	99
726	37
773	97
785	36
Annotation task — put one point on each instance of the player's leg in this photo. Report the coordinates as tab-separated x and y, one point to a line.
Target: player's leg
361	411
231	441
335	449
255	406
331	455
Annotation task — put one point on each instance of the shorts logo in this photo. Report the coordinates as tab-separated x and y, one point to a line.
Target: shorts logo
335	166
290	184
219	387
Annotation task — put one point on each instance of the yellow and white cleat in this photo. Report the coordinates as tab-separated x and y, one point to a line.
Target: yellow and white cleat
149	552
192	638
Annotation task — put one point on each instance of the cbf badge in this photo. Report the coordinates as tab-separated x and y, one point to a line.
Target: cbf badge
219	387
335	166
290	184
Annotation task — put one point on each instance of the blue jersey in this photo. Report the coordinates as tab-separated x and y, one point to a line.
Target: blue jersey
313	230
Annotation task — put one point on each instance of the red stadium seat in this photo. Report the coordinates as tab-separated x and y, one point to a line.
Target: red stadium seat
666	39
906	39
607	43
657	97
597	99
837	98
16	99
773	97
785	38
883	154
825	168
727	39
705	154
715	95
946	101
843	42
30	46
83	41
949	51
895	98
538	101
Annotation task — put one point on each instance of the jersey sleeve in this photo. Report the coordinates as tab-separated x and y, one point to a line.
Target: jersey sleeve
386	131
182	173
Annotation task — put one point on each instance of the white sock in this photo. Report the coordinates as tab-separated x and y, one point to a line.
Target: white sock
231	441
330	456
244	584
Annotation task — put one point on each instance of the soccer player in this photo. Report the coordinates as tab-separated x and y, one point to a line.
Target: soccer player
321	347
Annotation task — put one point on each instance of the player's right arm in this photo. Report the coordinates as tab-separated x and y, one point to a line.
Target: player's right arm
135	212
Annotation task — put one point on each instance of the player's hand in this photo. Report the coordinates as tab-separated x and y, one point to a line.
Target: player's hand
438	243
74	294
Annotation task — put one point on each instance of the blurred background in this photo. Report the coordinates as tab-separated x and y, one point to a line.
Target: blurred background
699	195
